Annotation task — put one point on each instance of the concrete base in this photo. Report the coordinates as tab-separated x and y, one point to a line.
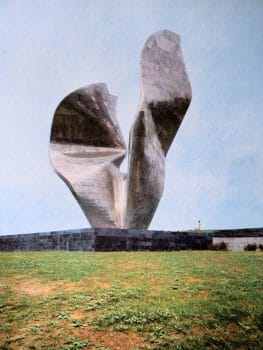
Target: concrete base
109	240
105	240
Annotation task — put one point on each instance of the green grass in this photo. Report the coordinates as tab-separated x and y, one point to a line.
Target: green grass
141	300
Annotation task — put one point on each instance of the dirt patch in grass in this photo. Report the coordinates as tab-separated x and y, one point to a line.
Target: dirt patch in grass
107	338
220	256
177	335
203	294
135	264
78	315
236	269
25	285
151	264
86	284
136	281
111	339
94	282
35	287
131	283
153	279
230	331
192	279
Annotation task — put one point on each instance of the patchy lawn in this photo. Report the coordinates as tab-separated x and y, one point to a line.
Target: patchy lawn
141	300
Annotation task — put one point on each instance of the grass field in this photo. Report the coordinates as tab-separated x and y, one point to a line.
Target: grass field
141	300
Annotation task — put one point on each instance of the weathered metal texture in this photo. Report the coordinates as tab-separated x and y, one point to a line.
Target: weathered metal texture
87	147
165	97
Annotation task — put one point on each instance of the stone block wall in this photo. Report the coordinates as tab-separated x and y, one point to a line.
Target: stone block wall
100	239
73	240
105	240
140	239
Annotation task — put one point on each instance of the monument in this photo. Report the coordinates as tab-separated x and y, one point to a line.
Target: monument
87	147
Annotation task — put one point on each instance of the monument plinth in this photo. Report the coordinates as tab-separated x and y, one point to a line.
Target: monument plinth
105	239
112	239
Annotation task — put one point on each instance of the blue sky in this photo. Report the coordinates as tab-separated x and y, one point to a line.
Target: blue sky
215	165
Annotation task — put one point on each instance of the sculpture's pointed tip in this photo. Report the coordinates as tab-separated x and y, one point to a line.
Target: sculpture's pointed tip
165	33
163	72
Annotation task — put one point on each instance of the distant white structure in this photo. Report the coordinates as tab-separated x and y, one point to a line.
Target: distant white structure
198	227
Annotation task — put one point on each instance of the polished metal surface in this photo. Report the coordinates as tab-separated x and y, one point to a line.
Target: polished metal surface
87	147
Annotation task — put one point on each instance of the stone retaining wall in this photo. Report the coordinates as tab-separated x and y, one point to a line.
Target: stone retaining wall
105	240
128	240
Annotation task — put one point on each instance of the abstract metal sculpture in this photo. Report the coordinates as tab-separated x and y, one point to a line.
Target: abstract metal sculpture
87	147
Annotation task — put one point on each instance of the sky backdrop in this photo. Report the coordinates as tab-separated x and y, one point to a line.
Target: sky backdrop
214	169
